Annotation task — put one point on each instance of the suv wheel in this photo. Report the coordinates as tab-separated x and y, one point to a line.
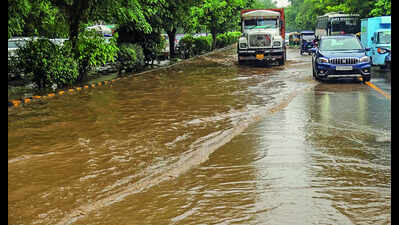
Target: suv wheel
366	78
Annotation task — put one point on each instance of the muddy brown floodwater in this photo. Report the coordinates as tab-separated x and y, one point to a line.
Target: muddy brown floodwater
204	142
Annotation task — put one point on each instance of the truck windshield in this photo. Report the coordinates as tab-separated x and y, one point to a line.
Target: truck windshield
340	44
260	23
384	37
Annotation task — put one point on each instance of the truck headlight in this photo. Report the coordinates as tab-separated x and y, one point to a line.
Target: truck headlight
365	59
322	60
276	43
243	45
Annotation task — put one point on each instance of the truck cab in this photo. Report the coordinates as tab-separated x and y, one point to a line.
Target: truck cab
375	34
262	36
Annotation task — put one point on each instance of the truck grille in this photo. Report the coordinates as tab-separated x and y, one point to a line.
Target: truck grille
344	60
259	40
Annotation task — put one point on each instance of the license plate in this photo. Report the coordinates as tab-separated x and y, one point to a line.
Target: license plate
260	56
344	68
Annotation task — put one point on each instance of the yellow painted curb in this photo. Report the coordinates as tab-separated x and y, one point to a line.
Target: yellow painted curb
27	100
16	102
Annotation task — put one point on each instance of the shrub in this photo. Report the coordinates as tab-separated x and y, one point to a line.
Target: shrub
225	39
186	46
49	63
130	57
233	37
93	50
202	44
13	68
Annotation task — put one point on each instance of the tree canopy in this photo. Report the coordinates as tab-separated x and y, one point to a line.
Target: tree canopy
302	14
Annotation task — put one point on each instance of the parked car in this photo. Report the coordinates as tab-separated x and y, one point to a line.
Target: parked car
15	43
306	41
340	56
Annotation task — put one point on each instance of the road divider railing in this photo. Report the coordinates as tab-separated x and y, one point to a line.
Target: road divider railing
21	102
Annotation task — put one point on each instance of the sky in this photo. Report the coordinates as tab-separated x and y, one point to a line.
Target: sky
282	3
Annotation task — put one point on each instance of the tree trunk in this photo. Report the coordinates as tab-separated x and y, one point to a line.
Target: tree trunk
172	36
77	13
214	34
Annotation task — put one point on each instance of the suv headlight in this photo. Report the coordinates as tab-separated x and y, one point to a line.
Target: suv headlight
322	60
276	43
364	59
243	45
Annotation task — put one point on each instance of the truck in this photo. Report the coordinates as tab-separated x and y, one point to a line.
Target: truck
376	34
263	36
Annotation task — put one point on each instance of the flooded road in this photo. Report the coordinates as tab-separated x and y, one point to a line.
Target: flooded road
205	142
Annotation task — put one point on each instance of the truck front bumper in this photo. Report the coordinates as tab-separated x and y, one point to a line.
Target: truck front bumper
261	54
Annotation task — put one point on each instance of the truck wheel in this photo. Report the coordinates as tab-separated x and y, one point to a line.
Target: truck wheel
281	62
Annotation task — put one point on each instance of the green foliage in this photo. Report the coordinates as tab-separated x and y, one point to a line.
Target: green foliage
18	11
202	44
49	63
190	46
302	14
186	46
381	8
130	57
13	68
217	16
93	50
225	39
263	4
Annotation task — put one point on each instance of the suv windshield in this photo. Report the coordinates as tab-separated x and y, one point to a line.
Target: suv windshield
260	23
340	44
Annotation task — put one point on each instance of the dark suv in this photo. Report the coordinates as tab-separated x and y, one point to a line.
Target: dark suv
340	56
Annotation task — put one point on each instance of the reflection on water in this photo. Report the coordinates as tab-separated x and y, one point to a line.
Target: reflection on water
143	151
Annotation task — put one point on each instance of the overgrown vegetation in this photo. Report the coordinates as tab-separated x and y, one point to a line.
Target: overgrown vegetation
48	63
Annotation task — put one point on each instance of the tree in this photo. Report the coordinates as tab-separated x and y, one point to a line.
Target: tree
217	16
18	10
263	4
33	18
381	8
173	15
